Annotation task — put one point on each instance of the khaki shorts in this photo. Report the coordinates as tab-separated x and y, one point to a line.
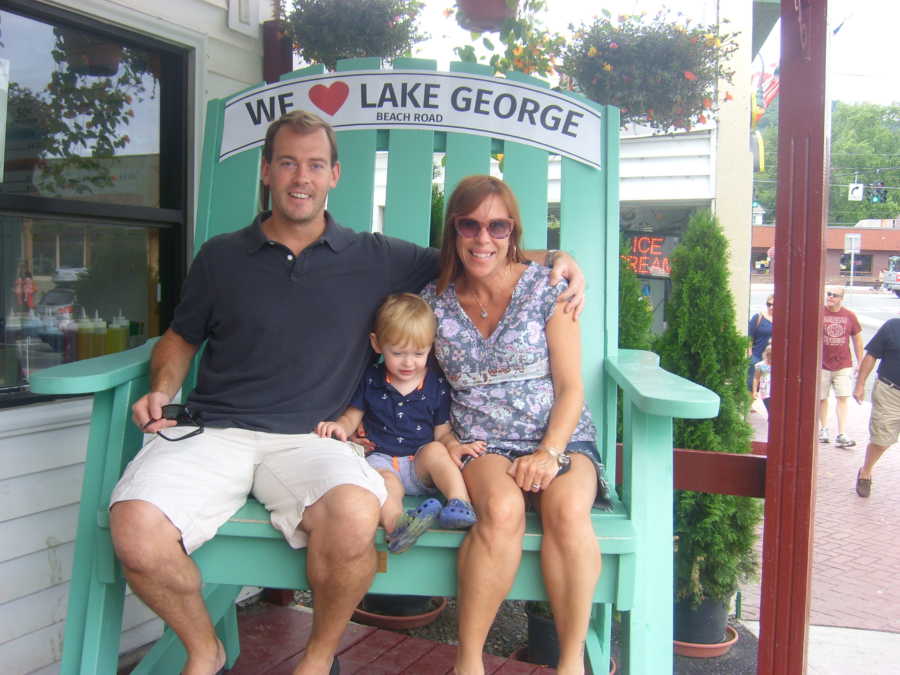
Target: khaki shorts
841	380
200	482
884	423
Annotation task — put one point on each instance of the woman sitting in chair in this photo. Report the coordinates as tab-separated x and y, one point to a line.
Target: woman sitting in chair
513	360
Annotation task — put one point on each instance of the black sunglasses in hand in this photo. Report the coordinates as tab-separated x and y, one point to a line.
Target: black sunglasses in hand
183	417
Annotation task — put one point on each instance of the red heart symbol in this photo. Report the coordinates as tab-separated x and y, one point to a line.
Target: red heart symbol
331	98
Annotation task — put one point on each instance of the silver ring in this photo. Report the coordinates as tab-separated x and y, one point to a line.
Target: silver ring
535	486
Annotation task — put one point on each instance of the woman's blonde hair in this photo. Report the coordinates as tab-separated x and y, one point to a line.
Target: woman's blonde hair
405	319
467	197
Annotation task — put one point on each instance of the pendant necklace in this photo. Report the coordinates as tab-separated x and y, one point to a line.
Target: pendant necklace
483	314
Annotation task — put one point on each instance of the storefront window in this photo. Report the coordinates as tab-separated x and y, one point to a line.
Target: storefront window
68	309
92	190
82	114
862	264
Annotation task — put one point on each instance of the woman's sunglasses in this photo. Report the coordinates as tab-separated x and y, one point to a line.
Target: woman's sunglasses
498	228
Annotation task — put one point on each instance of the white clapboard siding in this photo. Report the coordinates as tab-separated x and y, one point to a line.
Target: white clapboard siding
33	612
37	531
36	650
667	167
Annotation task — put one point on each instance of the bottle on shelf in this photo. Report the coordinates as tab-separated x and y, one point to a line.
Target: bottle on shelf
85	336
117	334
99	331
69	329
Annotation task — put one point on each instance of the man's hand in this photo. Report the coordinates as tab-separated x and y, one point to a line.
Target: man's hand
147	412
565	267
331	430
859	392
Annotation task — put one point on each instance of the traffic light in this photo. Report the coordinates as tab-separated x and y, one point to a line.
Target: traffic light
877	193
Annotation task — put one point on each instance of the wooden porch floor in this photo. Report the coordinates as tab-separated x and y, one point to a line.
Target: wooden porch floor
273	637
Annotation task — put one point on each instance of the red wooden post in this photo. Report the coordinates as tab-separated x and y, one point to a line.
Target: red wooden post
799	246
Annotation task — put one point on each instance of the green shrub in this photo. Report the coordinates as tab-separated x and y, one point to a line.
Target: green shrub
715	533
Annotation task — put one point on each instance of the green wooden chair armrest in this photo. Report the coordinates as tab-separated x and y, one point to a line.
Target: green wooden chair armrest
658	392
92	375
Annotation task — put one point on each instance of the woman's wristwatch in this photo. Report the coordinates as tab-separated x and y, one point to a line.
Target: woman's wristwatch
561	456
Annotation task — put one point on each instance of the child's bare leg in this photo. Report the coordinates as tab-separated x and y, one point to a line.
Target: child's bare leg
434	467
393	505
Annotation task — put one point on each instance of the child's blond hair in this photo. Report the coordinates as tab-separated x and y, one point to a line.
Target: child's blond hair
405	319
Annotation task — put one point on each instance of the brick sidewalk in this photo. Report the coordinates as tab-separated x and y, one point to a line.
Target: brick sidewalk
856	541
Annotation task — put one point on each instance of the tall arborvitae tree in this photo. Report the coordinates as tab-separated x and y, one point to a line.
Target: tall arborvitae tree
716	533
635	313
635	318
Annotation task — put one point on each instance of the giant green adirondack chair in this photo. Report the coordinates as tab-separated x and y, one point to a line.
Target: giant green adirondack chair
635	537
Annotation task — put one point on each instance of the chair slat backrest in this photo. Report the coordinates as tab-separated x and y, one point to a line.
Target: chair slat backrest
588	200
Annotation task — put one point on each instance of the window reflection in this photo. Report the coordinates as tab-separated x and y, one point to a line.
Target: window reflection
82	115
72	292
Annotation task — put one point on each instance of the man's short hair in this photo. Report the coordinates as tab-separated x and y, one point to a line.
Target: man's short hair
302	122
405	319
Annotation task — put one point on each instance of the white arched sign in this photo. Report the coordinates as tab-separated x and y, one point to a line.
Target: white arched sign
412	99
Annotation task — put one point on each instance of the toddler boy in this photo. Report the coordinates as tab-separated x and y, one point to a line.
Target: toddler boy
404	405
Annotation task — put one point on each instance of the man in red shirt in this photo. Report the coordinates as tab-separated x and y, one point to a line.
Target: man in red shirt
840	328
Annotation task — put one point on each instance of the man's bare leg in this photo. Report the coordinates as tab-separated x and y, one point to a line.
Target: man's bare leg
166	579
340	564
841	406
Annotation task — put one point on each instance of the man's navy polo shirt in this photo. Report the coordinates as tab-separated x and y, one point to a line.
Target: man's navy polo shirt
287	336
885	345
399	425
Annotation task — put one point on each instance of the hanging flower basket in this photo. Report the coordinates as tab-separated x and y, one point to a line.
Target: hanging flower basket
662	73
90	55
484	16
324	31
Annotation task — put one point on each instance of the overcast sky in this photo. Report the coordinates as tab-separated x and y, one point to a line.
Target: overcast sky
861	53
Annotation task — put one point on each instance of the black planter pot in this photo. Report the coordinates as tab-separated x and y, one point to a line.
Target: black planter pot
701	624
399	612
397	605
543	642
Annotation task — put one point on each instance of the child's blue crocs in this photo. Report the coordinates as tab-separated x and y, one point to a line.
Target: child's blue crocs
457	515
412	525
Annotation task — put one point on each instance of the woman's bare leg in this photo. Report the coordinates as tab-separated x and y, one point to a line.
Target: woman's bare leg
488	557
570	558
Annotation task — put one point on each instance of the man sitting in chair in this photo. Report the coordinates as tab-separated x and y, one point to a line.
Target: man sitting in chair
284	306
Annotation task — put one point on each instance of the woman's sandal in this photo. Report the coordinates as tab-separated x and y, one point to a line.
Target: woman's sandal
457	515
412	525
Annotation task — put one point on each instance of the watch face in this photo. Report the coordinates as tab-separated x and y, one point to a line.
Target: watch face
564	459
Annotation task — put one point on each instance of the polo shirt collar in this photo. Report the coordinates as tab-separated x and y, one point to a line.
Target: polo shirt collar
381	382
336	237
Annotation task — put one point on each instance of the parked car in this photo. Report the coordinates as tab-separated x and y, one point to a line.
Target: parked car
891	276
59	300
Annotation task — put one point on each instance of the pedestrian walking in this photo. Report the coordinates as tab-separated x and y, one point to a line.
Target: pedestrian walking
840	328
884	421
762	378
759	330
